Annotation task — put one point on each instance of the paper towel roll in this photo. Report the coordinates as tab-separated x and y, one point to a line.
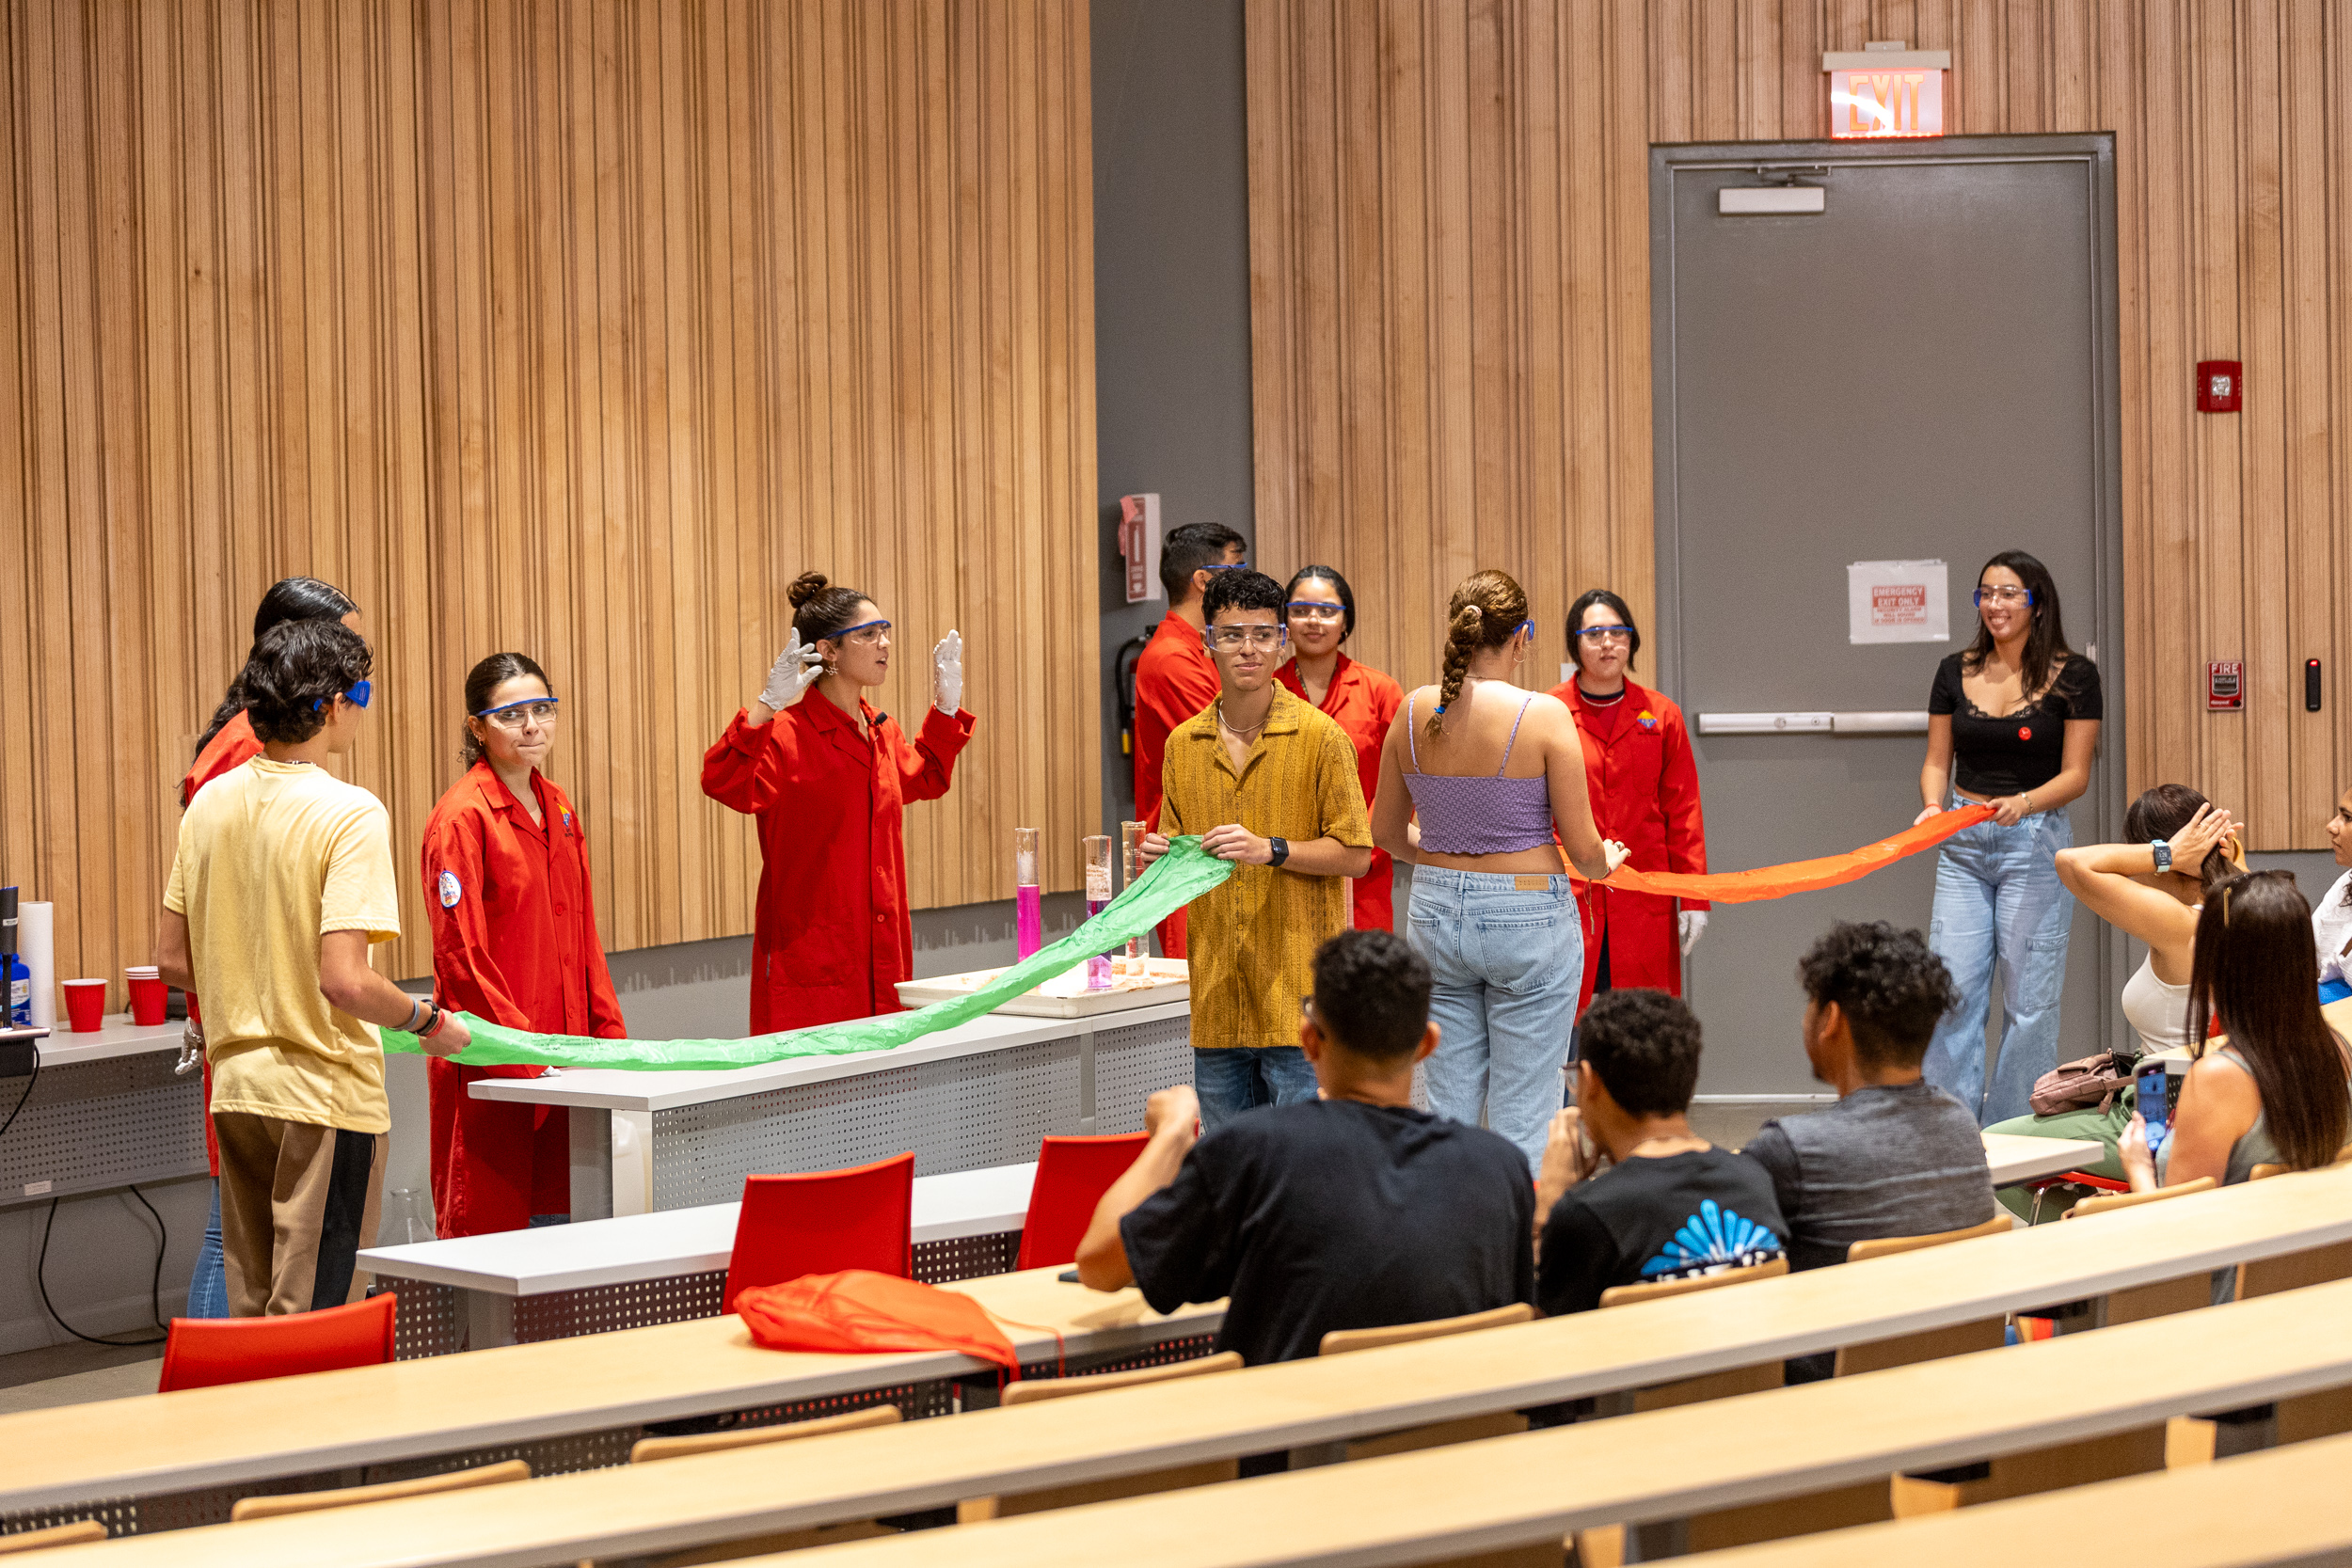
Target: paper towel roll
37	945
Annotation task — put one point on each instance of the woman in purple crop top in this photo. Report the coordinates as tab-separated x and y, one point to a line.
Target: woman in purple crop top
1490	770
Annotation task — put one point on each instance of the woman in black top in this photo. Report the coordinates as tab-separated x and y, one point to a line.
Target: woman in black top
2013	723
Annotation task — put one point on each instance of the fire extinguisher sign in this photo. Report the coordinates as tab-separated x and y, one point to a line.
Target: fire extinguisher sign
2225	686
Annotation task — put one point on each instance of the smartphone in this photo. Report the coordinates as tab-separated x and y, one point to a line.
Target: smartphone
2155	1103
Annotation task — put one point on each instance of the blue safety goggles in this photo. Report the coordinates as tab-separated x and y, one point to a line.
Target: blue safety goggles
358	697
846	631
541	708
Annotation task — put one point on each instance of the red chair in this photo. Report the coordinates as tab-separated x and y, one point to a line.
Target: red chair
823	1221
203	1353
1072	1174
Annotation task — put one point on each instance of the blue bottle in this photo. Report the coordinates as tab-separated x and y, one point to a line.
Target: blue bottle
13	974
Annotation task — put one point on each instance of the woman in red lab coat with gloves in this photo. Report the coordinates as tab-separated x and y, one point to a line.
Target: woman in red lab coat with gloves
513	941
828	778
1644	787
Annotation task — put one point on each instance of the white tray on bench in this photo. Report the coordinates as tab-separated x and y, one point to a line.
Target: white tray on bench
1065	996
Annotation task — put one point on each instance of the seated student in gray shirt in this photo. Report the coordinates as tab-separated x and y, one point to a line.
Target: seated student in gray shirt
1895	1156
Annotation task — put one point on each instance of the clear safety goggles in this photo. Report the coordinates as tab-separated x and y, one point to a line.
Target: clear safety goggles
864	635
1595	636
2007	593
513	716
1315	610
1232	640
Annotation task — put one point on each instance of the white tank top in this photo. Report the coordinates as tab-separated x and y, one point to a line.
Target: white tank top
2158	1012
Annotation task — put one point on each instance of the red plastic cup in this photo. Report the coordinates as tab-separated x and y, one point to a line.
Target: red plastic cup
149	996
86	1005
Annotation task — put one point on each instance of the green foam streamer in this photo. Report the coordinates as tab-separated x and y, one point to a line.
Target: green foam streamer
1170	883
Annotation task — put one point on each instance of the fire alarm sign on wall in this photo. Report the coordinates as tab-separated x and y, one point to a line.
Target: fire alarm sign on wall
2225	686
2220	383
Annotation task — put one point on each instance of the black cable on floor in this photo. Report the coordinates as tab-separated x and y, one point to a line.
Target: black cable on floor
155	1300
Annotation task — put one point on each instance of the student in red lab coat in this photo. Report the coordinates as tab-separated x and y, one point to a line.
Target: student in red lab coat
1321	613
1175	678
229	742
514	942
1645	788
828	778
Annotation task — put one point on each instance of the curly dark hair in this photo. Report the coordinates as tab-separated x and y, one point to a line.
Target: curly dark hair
1241	590
297	668
1372	993
1891	987
1644	1046
288	599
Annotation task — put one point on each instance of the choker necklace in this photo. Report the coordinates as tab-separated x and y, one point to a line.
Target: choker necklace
1249	733
1611	700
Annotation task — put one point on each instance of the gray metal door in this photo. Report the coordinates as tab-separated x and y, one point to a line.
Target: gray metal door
1924	368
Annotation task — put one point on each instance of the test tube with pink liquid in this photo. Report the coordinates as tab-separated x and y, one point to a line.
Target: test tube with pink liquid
1027	895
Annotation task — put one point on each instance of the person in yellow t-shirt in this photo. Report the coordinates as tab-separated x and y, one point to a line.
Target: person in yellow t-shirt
282	880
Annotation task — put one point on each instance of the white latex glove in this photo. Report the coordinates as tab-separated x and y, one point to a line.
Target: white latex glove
948	673
1694	925
795	670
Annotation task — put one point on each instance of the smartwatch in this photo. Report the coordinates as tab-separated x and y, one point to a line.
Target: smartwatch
1281	847
2163	852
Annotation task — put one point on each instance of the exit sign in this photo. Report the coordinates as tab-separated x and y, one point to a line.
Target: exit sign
1880	95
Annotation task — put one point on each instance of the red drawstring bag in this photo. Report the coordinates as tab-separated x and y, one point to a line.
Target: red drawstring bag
859	1311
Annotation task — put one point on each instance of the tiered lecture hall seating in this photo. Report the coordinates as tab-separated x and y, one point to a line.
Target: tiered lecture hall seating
1511	1492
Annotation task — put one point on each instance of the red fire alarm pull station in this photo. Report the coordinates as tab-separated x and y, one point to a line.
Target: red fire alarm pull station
2219	385
2225	686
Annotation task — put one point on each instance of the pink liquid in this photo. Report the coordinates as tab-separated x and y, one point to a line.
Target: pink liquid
1032	919
1097	967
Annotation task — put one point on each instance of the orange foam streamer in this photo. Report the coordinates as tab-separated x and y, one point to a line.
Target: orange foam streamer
1779	881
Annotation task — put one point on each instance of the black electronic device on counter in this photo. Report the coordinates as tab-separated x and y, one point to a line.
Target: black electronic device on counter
2311	686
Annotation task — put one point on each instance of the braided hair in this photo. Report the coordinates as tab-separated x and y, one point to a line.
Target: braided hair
1487	611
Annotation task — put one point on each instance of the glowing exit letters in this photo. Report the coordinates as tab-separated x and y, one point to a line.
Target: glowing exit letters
1875	104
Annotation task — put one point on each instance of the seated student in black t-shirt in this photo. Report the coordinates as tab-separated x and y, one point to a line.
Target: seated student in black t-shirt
1670	1205
1353	1210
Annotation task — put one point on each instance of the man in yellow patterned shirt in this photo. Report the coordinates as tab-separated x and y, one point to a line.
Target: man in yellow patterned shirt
1269	783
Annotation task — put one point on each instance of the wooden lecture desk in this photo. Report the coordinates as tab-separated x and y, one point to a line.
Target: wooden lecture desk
1433	1505
981	1094
582	1401
107	1112
1296	1404
564	1279
2280	1507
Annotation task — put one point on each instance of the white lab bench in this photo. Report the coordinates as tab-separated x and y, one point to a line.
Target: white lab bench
979	1094
107	1111
563	1279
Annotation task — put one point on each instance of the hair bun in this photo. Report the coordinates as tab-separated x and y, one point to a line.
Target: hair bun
807	587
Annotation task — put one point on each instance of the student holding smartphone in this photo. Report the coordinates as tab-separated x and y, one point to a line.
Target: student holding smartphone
2274	1092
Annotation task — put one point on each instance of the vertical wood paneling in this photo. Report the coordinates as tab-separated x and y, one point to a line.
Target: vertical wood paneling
1512	424
577	328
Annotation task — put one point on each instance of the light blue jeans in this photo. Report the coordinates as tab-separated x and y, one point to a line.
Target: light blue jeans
1507	964
1998	901
207	1289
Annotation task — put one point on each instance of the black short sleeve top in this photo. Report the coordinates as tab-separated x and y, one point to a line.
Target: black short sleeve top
2019	750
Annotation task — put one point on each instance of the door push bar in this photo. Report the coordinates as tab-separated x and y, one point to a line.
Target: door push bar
1881	723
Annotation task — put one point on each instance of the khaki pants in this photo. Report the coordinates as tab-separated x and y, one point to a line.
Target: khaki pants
297	1202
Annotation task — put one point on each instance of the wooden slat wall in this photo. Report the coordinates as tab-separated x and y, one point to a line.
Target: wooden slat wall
1450	279
577	328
